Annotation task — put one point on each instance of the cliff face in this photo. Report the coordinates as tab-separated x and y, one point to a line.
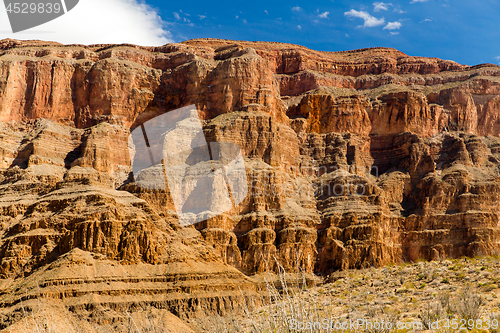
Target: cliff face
353	159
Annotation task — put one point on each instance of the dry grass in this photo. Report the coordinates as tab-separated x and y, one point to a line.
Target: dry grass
422	293
417	294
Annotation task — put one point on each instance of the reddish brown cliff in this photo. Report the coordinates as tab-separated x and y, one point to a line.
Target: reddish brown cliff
353	159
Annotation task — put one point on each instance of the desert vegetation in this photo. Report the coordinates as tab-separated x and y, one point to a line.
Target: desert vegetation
413	296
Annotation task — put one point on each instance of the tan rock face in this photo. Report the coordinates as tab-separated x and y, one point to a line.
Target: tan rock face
406	112
351	114
353	159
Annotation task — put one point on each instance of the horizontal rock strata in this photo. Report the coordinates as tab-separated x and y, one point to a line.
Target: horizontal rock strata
353	159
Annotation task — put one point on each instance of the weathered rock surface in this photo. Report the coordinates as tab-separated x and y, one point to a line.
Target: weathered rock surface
353	159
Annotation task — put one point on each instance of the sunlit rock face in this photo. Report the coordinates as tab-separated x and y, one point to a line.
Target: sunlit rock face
350	160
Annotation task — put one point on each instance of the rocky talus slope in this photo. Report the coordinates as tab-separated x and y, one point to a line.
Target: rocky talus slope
353	159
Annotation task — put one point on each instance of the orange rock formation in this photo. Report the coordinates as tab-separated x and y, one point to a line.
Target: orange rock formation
354	159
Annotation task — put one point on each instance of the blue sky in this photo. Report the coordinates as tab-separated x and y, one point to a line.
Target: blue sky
464	31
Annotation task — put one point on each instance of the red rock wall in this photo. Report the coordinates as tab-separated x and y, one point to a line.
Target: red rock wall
418	135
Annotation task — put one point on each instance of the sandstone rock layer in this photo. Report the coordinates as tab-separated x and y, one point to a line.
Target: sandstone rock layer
353	159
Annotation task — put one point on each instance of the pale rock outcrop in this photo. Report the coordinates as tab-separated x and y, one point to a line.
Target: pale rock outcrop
353	159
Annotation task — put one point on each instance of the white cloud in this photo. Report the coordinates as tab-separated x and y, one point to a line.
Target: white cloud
98	21
184	19
245	21
393	26
378	6
394	33
265	11
399	11
370	21
415	1
299	27
202	17
296	9
498	59
324	15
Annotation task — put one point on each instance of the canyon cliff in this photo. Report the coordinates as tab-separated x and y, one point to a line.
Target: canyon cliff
353	159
